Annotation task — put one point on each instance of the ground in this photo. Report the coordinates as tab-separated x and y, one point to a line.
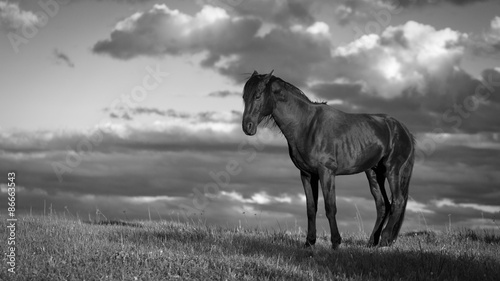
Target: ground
55	248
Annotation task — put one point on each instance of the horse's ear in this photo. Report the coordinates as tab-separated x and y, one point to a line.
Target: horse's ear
268	76
255	73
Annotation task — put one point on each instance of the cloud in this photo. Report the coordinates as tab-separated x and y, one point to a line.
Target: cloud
412	72
162	31
494	35
205	117
487	44
282	12
231	44
349	11
337	90
403	56
224	94
124	116
62	58
360	11
12	18
483	208
407	3
158	165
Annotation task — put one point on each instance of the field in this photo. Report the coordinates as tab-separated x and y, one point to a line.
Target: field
51	248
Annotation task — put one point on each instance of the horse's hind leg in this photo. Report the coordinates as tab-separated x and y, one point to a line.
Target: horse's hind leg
399	183
376	178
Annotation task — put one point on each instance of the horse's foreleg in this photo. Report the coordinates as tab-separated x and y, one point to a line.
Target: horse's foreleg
327	179
376	180
310	183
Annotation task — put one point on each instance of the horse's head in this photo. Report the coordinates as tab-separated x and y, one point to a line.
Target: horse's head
258	101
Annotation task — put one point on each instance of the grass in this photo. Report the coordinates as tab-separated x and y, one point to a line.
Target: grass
51	248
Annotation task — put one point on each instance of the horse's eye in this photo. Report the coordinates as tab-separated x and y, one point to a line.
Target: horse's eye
258	95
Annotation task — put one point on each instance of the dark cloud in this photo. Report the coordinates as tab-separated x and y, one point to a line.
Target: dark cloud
124	116
204	131
285	13
62	58
224	94
200	117
348	11
461	103
407	3
343	91
133	168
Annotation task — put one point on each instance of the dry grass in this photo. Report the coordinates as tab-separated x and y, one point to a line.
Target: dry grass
60	249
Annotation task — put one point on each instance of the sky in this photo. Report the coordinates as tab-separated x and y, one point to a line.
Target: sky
133	108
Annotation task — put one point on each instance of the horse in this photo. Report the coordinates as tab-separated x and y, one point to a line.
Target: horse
324	142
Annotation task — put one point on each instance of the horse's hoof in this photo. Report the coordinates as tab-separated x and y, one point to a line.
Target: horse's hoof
335	246
308	245
385	243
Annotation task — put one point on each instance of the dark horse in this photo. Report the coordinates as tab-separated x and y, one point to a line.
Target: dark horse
324	142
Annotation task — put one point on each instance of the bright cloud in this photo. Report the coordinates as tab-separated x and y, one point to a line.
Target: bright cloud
483	208
12	18
164	31
318	28
260	198
418	207
402	57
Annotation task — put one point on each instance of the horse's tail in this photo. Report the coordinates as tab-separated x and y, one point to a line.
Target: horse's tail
407	168
405	172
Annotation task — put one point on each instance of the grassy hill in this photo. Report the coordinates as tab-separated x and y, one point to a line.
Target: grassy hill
51	248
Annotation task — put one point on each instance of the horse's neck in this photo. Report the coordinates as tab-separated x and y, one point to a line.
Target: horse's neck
290	115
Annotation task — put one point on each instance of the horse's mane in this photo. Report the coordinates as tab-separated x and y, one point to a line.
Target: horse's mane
297	90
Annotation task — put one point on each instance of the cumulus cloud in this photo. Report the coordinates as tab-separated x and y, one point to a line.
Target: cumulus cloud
230	43
164	31
401	57
413	72
12	18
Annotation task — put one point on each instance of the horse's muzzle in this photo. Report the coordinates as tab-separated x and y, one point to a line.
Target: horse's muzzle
249	127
